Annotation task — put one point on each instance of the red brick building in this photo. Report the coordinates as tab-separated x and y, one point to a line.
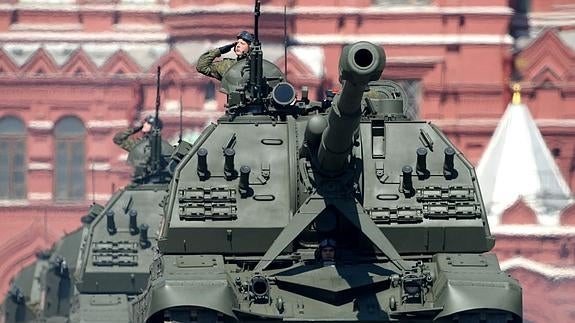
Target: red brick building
73	72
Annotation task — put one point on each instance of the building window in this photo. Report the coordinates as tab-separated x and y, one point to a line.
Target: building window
69	137
12	159
209	91
412	90
210	103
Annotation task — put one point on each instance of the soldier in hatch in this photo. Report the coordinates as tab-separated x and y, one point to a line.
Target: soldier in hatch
325	253
217	69
146	167
123	140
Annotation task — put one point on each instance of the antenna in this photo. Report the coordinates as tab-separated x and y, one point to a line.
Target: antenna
181	122
155	138
45	224
157	96
256	83
256	22
93	183
285	43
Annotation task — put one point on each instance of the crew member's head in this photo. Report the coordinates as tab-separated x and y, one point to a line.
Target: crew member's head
149	122
327	250
242	47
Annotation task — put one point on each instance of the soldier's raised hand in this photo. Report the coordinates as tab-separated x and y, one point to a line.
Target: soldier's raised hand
137	127
227	48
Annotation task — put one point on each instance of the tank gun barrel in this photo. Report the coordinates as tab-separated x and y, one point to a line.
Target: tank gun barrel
359	64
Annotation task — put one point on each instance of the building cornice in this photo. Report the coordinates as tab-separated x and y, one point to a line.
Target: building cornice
569	124
99	166
16	208
529	231
72	7
106	124
552	19
41	125
346	10
36	196
27	27
269	9
549	271
463	88
190	115
40	166
59	79
76	36
404	39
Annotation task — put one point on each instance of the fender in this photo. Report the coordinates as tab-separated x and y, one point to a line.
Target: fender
214	295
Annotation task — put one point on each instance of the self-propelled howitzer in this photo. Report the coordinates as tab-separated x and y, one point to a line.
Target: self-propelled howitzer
252	199
258	192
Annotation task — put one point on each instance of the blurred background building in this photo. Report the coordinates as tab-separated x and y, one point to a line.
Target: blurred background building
75	72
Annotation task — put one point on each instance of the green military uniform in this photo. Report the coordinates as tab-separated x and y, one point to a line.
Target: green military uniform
208	67
123	140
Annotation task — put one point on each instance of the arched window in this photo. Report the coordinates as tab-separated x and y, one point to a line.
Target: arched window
69	175
12	158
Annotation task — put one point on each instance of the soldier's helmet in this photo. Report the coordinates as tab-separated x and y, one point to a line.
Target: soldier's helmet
248	37
152	120
327	243
324	244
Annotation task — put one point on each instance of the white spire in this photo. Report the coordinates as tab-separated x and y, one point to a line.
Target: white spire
518	164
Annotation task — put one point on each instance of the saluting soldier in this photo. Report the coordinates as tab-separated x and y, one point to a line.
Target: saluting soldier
216	69
123	140
140	149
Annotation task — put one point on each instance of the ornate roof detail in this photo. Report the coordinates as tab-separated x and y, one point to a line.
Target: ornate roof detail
296	69
6	64
568	216
546	270
121	64
547	58
79	64
519	213
40	63
546	76
174	63
311	56
517	164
